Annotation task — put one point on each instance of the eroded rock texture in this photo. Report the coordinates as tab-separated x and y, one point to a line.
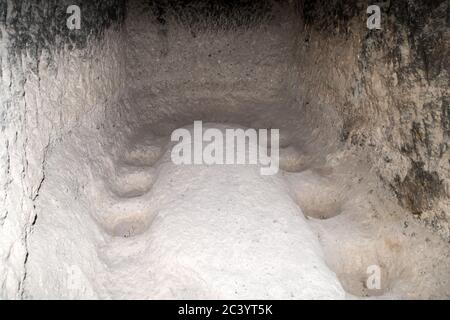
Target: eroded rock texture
381	95
389	88
47	86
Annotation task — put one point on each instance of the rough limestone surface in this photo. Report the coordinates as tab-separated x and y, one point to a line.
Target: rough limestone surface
52	80
386	94
337	91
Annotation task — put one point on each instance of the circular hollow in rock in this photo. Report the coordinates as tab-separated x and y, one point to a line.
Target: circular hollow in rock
317	196
131	182
129	227
145	152
292	160
127	217
362	256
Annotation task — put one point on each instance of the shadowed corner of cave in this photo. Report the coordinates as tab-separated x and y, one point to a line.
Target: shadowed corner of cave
92	205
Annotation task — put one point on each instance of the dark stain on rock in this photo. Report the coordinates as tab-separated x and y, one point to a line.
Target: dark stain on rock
35	26
331	15
420	26
446	116
223	14
418	190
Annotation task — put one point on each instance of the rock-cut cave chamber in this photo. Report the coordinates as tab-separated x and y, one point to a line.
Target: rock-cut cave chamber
91	205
